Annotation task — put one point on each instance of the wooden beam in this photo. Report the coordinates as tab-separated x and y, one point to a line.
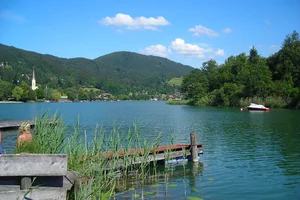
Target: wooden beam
15	124
33	165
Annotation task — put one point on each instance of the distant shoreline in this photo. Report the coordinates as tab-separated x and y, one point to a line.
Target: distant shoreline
11	102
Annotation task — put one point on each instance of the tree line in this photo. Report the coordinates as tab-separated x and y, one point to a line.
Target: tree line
273	81
125	75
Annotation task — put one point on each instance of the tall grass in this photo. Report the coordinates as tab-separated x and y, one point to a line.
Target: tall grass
97	172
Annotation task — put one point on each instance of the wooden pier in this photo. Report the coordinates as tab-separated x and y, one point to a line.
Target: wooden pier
45	176
15	124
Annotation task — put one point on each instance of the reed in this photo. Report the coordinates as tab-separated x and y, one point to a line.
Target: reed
97	175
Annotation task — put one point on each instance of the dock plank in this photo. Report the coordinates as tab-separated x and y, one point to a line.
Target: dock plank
15	124
157	150
33	165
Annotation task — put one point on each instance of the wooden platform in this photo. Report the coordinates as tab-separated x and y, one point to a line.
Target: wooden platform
45	176
15	124
174	153
158	150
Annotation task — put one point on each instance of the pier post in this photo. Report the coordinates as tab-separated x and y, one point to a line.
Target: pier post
25	183
194	150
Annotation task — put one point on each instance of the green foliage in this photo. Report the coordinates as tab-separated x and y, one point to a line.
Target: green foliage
48	138
93	159
115	73
40	94
242	79
128	75
178	102
31	95
5	90
195	85
55	95
17	93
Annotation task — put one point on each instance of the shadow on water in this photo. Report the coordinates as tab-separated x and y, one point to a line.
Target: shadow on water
167	182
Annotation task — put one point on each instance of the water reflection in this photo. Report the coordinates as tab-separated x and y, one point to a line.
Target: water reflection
168	182
248	155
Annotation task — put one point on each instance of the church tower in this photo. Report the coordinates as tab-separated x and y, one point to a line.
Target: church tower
33	82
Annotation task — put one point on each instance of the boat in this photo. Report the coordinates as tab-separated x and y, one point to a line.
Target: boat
258	107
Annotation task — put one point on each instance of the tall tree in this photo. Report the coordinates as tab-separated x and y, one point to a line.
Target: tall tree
17	93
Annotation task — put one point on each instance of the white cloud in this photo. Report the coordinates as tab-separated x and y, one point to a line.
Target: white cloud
121	19
201	30
9	15
187	49
227	30
157	50
219	52
267	21
274	46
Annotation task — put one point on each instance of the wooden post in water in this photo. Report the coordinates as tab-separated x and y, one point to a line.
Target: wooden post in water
194	150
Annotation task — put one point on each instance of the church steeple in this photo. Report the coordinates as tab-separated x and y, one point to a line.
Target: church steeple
33	82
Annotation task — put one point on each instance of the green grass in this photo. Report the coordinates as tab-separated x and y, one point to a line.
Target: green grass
177	102
175	81
97	176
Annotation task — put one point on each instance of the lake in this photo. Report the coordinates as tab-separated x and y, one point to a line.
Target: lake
247	155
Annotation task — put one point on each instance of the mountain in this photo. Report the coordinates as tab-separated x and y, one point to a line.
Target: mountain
126	69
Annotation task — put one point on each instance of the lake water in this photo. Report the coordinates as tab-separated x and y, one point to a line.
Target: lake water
247	155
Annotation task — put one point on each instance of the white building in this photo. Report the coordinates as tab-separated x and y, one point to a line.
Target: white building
33	82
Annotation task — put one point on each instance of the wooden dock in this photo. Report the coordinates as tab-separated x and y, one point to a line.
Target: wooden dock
15	124
45	176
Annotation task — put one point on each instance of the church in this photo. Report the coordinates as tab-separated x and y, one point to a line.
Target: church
33	81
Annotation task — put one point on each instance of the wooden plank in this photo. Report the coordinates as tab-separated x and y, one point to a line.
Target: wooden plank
151	158
15	124
40	193
159	149
33	165
13	182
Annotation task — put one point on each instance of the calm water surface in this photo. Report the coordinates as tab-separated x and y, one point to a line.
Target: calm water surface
247	155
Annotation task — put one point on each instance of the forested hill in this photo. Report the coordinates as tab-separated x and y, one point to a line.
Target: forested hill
118	72
128	63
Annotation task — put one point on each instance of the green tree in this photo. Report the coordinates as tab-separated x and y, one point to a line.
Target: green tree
40	94
83	95
71	93
211	70
31	95
17	93
25	88
5	89
56	95
195	85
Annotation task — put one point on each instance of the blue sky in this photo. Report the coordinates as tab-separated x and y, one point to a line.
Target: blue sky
190	31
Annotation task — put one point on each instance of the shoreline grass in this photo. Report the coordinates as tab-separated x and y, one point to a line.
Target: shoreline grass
177	102
97	175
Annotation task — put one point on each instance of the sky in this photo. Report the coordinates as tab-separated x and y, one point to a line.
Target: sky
190	32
